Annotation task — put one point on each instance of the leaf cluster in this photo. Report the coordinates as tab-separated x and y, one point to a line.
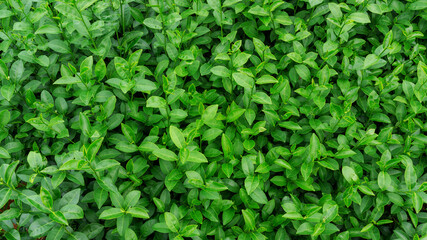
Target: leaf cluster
213	119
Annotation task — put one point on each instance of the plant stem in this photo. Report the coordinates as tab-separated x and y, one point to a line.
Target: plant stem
122	17
84	23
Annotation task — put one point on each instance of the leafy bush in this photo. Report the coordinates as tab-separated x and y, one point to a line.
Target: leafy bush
231	119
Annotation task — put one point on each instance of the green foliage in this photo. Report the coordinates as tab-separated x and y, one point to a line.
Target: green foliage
213	119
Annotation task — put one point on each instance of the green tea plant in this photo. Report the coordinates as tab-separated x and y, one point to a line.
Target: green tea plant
213	119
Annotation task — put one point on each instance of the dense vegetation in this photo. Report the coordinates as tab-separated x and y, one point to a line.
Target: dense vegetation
213	119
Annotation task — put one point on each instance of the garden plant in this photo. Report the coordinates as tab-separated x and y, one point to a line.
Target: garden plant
213	119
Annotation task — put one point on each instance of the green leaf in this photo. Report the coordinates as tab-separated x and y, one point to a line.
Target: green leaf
295	57
282	163
132	198
48	29
220	71
7	91
93	149
189	231
111	213
172	222
319	228
67	80
58	217
82	5
243	80
410	176
366	190
35	160
138	212
349	174
128	132
277	180
293	215
261	98
156	102
418	5
67	10
251	183
209	113
4	153
86	69
259	196
100	70
384	180
374	8
413	216
335	10
228	3
314	146
370	61
130	234
4	71
126	147
194	178
417	202
259	11
55	233
197	157
84	124
345	153
303	72
122	67
359	17
235	114
40	226
227	169
59	46
380	117
153	23
266	79
46	197
177	137
305	229
144	86
249	219
5	194
367	227
329	212
241	59
5	13
4	117
72	211
209	134
10	214
165	154
290	125
106	164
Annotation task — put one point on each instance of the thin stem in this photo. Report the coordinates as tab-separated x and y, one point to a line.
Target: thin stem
295	7
163	22
122	17
70	233
95	172
84	23
220	23
13	10
116	30
272	21
9	37
59	24
26	16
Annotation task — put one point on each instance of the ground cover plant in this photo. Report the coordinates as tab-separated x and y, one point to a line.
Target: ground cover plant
216	119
